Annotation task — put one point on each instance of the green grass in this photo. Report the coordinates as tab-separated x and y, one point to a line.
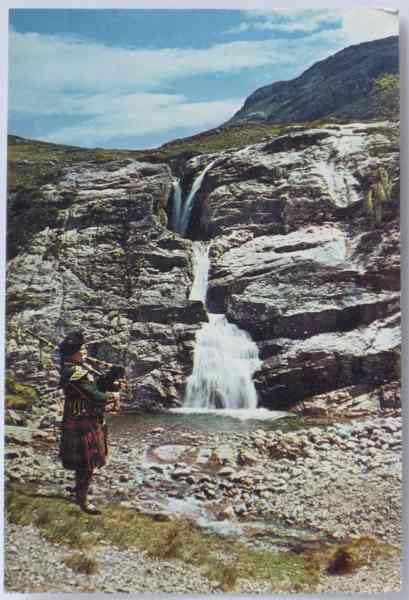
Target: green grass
60	521
32	163
225	561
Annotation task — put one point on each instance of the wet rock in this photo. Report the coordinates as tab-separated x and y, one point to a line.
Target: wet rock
226	472
13	418
18	435
227	513
297	262
246	458
158	468
181	473
170	453
240	509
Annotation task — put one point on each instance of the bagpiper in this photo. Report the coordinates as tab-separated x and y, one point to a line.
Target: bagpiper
83	445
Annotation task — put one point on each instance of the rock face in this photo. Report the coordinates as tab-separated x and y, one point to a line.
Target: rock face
338	86
102	259
304	233
305	257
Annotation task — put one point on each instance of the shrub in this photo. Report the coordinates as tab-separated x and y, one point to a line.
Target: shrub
386	96
80	563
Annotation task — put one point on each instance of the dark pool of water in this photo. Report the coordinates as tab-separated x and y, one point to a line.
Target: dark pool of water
211	423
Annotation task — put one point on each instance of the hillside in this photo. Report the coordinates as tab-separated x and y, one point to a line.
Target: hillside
339	87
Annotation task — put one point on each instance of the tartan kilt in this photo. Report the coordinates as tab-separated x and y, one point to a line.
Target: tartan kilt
83	443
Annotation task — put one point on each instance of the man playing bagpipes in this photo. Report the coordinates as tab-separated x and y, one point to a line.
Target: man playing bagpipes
83	445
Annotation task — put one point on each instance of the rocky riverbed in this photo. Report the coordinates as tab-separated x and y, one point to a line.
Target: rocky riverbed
275	489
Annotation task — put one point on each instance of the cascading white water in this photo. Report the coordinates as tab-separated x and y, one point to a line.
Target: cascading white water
225	357
187	208
201	266
224	361
177	204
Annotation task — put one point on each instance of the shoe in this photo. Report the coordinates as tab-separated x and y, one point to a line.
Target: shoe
86	506
90	509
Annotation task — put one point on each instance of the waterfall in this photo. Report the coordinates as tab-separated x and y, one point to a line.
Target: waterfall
187	208
224	361
225	357
177	204
201	271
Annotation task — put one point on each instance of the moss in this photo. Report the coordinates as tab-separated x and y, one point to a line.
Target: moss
89	298
19	396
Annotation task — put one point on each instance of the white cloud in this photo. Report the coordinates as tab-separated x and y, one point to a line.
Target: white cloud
356	24
286	21
364	24
140	114
60	63
119	90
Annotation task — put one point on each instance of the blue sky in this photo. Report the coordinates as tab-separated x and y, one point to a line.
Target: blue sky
139	78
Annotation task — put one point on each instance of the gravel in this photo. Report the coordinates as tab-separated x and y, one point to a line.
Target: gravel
36	565
342	482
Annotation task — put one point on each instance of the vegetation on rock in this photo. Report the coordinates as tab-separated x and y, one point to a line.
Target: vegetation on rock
19	396
386	90
379	195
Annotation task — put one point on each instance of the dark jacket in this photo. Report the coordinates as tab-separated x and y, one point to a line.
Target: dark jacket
82	396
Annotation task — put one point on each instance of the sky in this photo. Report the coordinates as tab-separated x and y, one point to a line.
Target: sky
132	78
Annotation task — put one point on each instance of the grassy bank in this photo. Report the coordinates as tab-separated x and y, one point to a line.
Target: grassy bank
222	560
32	163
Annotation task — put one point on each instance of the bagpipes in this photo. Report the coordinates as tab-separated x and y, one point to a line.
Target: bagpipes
112	381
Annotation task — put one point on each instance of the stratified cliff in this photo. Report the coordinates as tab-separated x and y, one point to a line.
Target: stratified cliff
304	233
305	257
92	251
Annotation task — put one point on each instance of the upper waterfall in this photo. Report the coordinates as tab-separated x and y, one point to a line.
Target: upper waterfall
177	205
181	215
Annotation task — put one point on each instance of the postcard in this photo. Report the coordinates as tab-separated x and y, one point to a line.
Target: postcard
203	301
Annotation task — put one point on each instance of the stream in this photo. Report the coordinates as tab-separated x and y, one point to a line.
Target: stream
175	464
195	461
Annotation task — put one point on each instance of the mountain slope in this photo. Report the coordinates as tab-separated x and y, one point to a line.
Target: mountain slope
338	86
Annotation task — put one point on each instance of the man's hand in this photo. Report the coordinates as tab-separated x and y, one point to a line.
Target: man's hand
121	384
114	402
